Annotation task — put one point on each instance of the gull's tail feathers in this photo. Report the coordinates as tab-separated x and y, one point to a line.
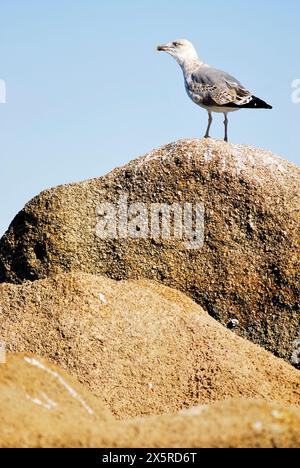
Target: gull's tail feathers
256	103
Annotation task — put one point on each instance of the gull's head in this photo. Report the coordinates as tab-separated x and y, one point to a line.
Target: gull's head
181	49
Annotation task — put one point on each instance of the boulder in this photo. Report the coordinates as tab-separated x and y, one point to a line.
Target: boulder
41	406
142	347
227	424
245	274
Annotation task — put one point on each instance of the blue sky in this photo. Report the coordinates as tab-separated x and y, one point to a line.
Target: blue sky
86	90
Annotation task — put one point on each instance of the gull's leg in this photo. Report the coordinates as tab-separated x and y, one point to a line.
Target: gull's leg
209	125
226	126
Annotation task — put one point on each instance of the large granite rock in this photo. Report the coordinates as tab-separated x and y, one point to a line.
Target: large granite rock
143	348
41	406
227	424
248	268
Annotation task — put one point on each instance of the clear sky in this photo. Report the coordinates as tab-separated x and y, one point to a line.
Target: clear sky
86	90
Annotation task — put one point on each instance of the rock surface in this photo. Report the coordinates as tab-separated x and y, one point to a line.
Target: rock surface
229	424
41	406
247	270
142	347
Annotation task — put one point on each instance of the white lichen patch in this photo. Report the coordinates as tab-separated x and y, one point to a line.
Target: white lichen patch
102	298
208	154
233	323
163	153
43	401
257	426
296	353
296	357
253	163
56	376
276	414
194	410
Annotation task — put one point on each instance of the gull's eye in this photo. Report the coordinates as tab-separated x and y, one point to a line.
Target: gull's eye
176	44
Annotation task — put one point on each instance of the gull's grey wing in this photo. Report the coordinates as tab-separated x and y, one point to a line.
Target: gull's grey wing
217	88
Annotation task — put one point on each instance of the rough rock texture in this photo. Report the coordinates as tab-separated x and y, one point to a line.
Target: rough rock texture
229	424
41	406
142	347
248	268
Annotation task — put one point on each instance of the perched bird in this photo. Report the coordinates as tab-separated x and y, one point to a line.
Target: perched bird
212	89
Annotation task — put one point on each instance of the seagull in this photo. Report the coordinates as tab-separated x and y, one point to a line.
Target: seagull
212	89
